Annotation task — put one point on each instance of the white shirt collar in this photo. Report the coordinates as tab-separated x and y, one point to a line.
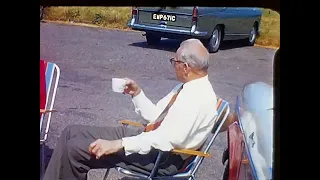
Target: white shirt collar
196	81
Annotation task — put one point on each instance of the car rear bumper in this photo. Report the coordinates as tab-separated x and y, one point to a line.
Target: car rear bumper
164	29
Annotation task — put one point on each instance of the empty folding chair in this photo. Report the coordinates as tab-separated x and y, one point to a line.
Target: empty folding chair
49	84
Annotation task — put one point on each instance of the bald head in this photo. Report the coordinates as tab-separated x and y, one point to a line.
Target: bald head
194	53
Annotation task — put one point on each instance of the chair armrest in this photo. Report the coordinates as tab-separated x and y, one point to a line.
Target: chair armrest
190	152
177	151
47	110
132	123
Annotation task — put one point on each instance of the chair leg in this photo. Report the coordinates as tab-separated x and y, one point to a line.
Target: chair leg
106	174
42	164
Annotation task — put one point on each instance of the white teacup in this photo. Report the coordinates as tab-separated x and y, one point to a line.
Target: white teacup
118	85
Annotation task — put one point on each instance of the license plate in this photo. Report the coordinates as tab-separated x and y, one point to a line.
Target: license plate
164	17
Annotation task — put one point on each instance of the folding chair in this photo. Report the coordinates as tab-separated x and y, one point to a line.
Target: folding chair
46	103
191	164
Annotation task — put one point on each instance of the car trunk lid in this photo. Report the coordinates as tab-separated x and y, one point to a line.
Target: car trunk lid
166	16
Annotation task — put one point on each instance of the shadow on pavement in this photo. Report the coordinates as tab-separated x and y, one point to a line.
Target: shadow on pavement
165	44
172	45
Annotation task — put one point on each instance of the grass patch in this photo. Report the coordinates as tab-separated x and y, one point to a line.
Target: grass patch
113	17
270	29
117	17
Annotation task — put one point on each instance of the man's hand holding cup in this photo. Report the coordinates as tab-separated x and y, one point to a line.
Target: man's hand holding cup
125	86
132	87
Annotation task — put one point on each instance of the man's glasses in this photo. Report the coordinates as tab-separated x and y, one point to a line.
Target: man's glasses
173	61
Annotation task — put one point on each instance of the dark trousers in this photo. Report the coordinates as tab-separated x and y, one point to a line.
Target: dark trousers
71	159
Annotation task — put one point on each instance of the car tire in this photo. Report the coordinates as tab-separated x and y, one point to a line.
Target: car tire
215	40
225	175
252	36
152	39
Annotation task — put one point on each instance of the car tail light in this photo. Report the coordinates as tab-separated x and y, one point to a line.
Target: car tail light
134	11
195	13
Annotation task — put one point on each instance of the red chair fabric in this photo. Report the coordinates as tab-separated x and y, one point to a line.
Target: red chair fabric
43	93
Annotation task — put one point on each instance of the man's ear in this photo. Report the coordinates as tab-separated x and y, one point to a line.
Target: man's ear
186	68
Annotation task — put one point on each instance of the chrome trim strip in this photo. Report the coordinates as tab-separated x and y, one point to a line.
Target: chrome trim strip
164	29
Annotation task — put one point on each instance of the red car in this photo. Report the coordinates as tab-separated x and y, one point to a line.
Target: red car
250	137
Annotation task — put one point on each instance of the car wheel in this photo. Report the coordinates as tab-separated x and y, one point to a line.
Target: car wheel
253	36
152	39
41	13
215	40
225	175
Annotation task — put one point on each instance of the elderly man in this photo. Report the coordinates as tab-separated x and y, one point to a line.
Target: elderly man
182	119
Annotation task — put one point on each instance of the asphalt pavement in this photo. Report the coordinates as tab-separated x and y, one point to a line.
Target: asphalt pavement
89	57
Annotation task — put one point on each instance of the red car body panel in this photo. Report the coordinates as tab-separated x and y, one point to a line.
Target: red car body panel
235	139
239	165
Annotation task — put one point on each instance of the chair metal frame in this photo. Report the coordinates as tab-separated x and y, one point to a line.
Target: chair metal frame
191	169
45	119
